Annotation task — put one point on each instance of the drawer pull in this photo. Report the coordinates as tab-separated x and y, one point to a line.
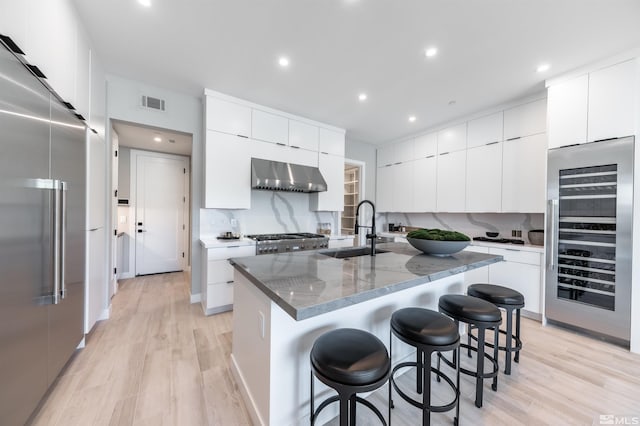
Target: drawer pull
230	282
233	246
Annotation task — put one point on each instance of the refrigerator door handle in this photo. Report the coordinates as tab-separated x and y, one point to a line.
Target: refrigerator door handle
552	240
63	237
56	241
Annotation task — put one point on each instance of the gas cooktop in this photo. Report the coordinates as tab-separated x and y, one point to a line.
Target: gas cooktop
290	236
499	240
283	243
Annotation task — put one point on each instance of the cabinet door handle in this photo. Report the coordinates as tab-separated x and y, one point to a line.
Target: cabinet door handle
243	136
444	153
513	139
230	282
296	147
324	152
430	156
492	143
232	247
399	162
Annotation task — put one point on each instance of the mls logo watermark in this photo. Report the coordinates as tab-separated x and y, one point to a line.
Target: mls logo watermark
613	419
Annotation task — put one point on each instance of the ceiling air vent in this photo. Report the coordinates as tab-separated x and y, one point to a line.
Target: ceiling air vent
153	103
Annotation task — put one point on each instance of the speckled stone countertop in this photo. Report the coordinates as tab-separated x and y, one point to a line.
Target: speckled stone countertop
308	283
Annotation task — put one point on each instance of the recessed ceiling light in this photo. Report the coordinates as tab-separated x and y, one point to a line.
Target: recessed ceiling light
431	52
145	3
157	139
412	118
543	67
362	97
284	62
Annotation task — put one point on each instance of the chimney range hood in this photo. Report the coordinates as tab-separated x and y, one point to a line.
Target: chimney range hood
278	176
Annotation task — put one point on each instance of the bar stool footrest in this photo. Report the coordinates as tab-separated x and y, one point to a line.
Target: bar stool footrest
487	375
432	408
515	348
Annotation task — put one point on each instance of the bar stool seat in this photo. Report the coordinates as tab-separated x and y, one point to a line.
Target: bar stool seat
349	361
428	331
482	315
510	300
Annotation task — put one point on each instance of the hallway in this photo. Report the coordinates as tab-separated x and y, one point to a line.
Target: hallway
157	361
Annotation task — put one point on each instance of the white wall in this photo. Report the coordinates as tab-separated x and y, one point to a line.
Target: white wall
183	113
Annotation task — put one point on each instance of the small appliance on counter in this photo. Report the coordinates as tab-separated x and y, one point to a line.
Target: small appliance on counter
324	228
228	236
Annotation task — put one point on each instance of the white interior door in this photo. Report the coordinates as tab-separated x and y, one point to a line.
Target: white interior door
159	220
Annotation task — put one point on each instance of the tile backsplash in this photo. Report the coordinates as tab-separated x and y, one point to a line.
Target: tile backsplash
471	224
271	212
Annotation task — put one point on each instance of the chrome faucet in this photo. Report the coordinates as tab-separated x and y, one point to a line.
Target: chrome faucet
371	236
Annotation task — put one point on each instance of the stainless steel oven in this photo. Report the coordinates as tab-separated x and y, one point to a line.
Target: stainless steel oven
589	236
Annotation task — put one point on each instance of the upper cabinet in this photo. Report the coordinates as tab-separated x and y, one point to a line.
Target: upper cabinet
269	127
302	135
332	169
484	178
452	139
525	120
612	96
404	151
451	181
227	171
524	171
484	130
386	155
331	142
228	117
567	109
425	146
597	105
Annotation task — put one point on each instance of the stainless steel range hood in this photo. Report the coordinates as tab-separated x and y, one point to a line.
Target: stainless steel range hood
277	176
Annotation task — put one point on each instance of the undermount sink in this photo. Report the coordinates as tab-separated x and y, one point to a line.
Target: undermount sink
344	253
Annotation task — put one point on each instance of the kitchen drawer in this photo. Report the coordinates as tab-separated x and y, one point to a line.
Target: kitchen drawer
515	255
223	253
219	271
219	295
477	249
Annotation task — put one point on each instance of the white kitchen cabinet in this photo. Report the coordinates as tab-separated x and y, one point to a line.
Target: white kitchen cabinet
227	171
424	181
524	120
217	277
269	127
520	271
612	95
426	145
96	180
452	139
484	130
303	135
403	193
339	242
384	189
332	169
385	155
484	178
451	182
331	142
228	117
83	72
404	151
524	171
567	109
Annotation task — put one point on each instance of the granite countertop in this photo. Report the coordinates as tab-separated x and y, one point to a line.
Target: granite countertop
308	283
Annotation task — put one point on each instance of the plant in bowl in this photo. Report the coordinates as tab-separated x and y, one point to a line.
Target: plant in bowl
438	242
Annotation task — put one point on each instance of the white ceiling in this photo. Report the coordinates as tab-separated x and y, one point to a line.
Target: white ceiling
488	52
142	137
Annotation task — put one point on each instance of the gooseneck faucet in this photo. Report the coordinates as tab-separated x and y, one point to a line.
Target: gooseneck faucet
371	236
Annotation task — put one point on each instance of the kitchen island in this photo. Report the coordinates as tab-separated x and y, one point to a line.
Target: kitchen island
283	302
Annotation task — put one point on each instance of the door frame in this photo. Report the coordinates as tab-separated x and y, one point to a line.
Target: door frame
186	232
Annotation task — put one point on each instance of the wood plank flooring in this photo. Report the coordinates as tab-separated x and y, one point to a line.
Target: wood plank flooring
159	361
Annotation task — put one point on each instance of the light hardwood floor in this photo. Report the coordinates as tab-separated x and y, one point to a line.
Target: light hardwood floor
159	361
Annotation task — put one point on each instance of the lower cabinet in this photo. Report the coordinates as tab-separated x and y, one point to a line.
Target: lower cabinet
217	277
520	270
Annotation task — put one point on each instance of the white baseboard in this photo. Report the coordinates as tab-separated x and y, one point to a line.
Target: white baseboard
105	314
126	275
82	343
196	298
244	391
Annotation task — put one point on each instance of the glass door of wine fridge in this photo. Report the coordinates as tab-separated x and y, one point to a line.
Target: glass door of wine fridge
588	243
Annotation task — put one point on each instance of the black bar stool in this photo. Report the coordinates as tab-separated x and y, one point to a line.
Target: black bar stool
428	331
482	315
349	361
509	300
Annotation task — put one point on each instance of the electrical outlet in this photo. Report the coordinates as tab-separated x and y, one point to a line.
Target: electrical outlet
234	222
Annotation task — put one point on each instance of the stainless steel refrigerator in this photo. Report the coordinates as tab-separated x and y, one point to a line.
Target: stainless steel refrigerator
589	237
42	237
